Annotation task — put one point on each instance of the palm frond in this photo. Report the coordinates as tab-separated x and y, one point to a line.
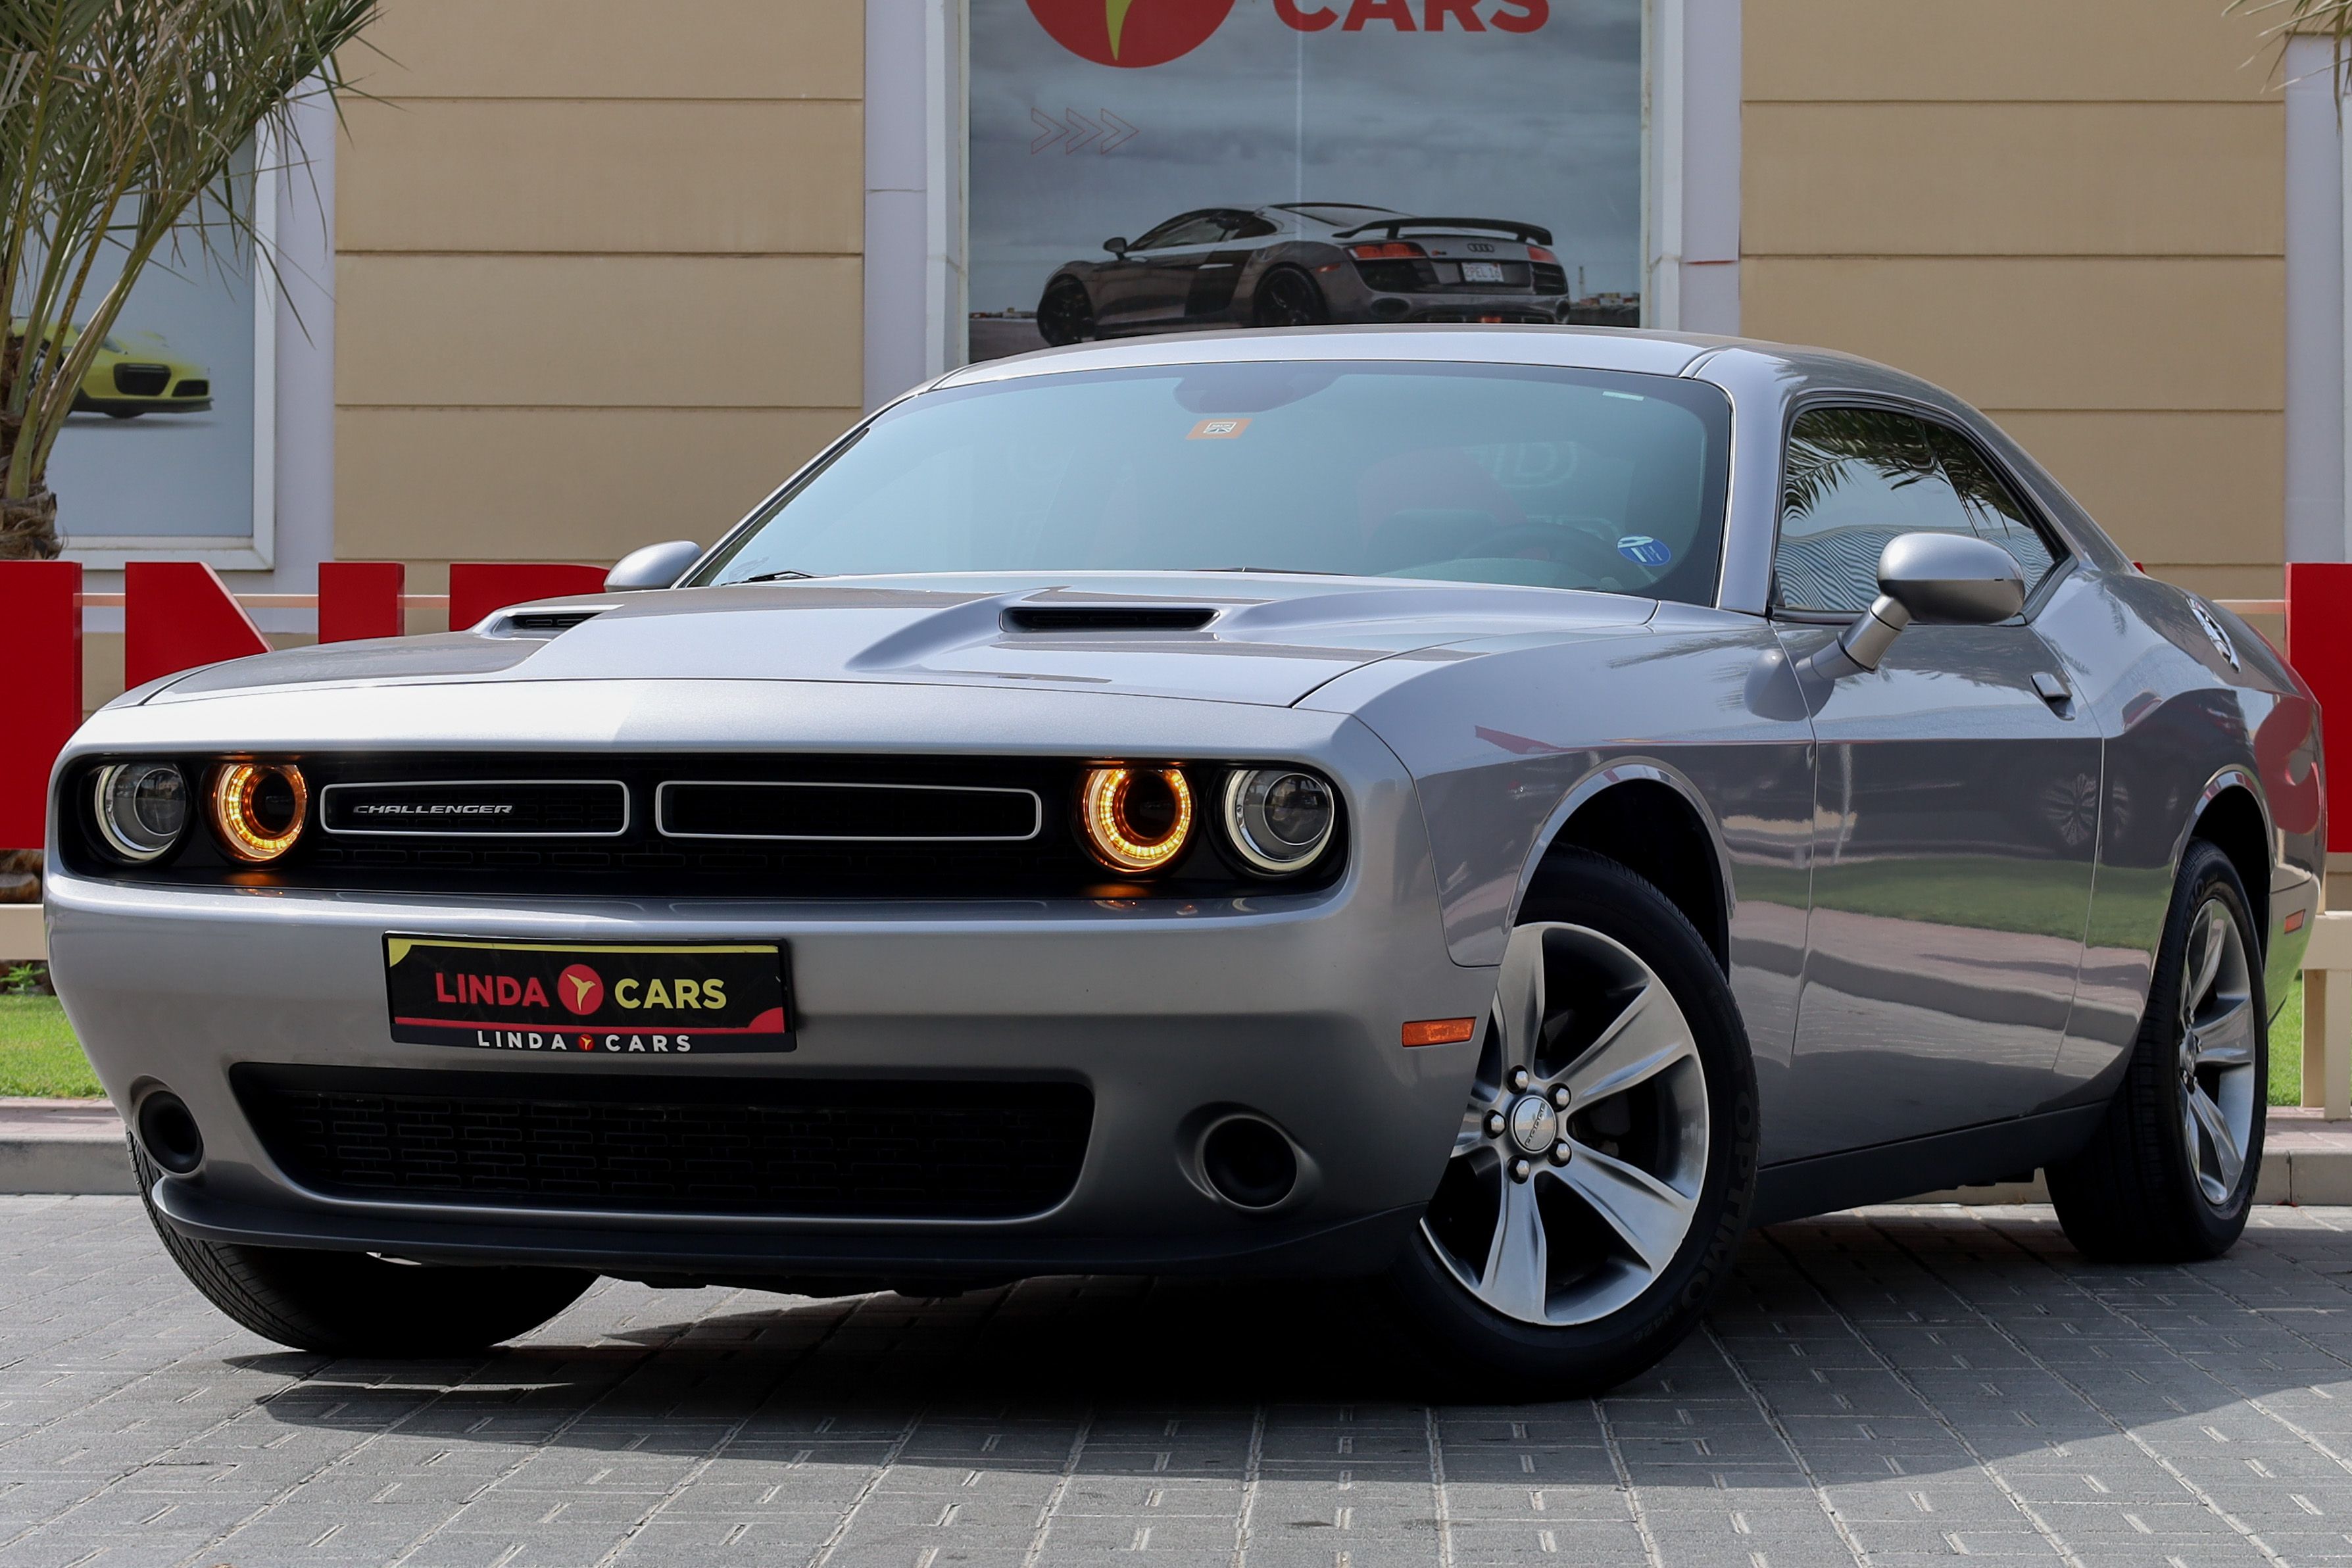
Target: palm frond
2286	19
120	124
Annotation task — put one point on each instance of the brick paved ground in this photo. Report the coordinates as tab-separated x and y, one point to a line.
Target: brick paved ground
1879	1389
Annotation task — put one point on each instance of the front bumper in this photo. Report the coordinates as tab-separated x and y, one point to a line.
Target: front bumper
1286	1006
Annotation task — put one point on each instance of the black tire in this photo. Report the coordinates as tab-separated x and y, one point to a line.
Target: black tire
1290	298
1066	314
355	1304
1473	1344
2135	1194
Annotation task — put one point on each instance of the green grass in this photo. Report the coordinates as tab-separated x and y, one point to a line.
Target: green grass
39	1057
2286	1048
39	1054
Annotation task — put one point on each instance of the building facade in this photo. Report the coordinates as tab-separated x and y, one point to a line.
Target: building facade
577	275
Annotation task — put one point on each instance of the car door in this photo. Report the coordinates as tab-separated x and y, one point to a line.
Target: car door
1166	261
1956	821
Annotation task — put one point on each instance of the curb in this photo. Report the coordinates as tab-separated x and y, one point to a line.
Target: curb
72	1147
75	1148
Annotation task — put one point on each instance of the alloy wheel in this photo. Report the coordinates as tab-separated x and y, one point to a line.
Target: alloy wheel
1577	1170
2216	1052
1288	299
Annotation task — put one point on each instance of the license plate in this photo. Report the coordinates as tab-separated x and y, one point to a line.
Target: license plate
639	999
1482	272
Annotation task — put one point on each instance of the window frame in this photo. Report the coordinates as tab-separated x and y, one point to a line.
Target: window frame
2064	556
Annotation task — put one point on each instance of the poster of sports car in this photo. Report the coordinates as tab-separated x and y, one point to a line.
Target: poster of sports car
1170	166
159	449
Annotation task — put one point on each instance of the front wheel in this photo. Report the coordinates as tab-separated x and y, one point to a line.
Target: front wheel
355	1304
1066	315
2170	1174
1606	1159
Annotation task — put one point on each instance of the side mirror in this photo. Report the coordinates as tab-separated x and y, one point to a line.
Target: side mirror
1938	579
1115	245
655	567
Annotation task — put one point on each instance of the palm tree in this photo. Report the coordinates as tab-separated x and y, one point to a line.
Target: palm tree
2330	19
118	122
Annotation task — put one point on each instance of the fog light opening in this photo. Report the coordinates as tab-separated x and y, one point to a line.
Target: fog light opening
167	1131
1250	1164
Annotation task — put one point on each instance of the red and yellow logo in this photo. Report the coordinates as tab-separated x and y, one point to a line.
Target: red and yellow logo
581	990
1131	34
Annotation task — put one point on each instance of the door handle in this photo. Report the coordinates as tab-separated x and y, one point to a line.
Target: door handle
2054	689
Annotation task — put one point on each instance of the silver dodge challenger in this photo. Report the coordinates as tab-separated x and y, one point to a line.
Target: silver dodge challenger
1496	810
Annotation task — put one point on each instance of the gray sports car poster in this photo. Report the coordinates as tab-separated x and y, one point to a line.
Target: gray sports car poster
1277	162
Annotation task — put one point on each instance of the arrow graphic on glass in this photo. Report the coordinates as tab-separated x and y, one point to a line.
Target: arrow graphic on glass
1106	131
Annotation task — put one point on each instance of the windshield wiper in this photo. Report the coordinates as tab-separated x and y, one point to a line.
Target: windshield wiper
784	576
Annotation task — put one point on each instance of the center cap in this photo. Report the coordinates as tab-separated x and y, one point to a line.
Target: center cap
1535	1125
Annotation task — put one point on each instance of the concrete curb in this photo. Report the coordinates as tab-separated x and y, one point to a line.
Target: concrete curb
62	1146
75	1147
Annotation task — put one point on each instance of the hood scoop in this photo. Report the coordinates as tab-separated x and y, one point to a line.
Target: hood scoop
1107	617
540	623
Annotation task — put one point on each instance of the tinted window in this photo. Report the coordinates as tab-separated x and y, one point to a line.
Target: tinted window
1249	226
1993	507
1195	229
1855	479
1518	474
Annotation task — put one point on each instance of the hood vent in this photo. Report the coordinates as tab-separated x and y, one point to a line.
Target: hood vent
1108	617
540	623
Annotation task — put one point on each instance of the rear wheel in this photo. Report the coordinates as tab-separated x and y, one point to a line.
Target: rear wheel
355	1304
2170	1175
1288	298
1603	1172
1066	315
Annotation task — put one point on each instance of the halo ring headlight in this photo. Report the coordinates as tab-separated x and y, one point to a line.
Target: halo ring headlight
259	809
141	808
1278	820
1136	819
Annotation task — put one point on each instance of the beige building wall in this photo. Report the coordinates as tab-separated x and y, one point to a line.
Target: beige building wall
2069	212
598	271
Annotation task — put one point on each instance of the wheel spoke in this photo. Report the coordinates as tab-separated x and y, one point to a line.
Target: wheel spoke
2226	1039
2227	1156
1517	1259
1650	1215
1472	1130
2205	956
1519	998
1640	1043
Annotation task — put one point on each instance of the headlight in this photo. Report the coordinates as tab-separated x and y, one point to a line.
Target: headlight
258	809
1136	819
1278	819
141	808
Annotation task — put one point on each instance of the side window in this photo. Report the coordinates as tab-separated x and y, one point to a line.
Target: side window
1994	508
1193	228
1248	226
1852	481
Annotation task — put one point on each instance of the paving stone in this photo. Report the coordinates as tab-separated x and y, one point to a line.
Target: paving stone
1895	1387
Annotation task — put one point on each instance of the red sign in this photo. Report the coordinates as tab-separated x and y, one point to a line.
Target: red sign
1130	34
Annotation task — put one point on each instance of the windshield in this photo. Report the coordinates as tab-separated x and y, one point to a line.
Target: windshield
1557	478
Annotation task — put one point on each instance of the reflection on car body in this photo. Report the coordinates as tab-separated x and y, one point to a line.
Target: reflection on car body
1500	809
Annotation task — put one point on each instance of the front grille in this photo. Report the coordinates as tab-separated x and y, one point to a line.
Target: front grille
847	813
692	825
490	808
192	388
815	1147
142	380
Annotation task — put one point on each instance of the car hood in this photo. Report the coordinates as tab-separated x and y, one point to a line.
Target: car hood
1266	639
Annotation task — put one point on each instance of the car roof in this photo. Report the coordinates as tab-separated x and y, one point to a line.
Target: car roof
1640	351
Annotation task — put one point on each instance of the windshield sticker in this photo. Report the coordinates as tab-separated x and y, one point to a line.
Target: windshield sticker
1644	551
1217	429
